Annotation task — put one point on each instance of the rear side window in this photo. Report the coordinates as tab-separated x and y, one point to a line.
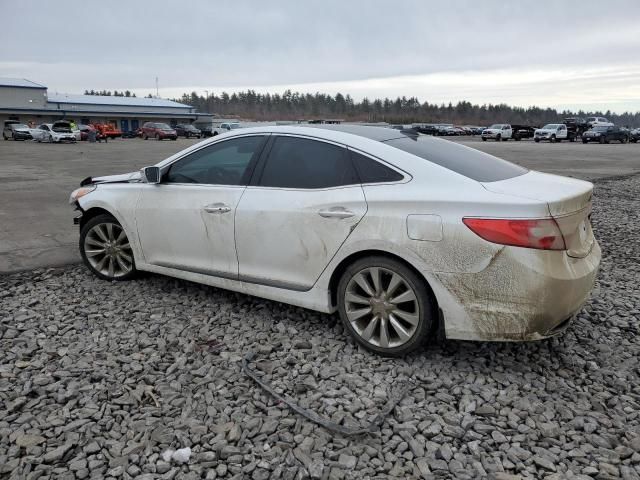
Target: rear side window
302	163
371	171
466	161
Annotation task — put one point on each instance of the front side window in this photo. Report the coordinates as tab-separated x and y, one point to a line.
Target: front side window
223	163
303	163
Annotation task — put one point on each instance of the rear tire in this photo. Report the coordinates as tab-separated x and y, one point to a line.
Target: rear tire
157	136
385	306
105	249
602	140
584	140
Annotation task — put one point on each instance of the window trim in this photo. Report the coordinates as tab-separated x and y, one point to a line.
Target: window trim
259	170
247	176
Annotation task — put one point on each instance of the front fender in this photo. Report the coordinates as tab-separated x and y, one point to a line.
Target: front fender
120	202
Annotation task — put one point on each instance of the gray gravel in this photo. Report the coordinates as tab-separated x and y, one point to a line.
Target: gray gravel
99	380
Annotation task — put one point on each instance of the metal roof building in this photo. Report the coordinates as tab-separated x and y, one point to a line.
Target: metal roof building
27	101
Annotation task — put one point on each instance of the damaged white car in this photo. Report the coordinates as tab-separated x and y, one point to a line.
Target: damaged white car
406	236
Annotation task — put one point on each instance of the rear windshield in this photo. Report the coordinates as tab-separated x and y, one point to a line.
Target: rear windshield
466	161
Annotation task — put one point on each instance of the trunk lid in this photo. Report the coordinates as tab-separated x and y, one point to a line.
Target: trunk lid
568	199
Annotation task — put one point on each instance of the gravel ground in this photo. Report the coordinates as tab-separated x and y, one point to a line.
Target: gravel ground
100	380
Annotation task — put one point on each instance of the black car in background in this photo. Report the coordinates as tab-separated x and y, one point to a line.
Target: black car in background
187	131
635	135
605	134
426	129
521	131
576	125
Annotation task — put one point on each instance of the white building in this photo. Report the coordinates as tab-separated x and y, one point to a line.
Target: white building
27	101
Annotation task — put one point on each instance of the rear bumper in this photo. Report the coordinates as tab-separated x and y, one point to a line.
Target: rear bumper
521	295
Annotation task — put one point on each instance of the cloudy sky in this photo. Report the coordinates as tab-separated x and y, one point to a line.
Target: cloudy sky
571	54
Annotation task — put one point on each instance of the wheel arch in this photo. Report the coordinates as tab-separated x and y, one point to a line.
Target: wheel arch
92	213
350	259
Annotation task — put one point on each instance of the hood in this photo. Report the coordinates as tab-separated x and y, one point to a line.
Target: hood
125	177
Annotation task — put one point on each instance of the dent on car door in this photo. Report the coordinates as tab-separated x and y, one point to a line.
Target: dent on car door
187	221
302	204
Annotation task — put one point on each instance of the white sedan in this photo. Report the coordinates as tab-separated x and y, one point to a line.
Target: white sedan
407	236
48	132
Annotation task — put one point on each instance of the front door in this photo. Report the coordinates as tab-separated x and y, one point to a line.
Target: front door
305	202
124	125
187	221
135	124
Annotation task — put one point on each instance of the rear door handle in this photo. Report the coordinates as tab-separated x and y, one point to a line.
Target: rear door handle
336	212
217	208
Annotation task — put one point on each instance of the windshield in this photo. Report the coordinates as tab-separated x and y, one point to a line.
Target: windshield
497	125
163	126
18	125
466	161
600	129
551	126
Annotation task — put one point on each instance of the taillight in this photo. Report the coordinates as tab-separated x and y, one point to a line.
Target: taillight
541	233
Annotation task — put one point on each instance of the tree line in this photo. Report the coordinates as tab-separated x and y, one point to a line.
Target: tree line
305	106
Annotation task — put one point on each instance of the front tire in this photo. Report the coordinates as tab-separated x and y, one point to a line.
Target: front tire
498	138
385	306
484	139
105	249
553	139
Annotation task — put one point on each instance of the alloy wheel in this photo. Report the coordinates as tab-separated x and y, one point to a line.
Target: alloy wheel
382	307
108	251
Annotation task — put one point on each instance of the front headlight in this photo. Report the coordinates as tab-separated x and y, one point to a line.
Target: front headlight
81	192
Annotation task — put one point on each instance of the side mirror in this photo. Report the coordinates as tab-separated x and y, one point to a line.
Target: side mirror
151	175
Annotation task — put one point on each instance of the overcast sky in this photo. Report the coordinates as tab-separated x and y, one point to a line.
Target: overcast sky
573	54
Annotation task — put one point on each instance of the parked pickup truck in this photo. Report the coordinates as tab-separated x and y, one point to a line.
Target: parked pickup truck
497	132
224	127
554	132
604	134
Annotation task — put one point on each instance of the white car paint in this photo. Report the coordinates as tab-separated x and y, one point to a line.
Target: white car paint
551	132
45	133
219	128
283	248
598	122
498	131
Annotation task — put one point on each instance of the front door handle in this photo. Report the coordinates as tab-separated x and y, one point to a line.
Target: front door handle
336	212
217	208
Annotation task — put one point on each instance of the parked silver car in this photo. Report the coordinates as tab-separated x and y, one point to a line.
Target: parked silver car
401	233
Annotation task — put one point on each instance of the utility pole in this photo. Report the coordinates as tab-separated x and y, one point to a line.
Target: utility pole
157	94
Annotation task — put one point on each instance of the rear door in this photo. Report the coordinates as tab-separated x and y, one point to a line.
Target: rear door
187	221
304	201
